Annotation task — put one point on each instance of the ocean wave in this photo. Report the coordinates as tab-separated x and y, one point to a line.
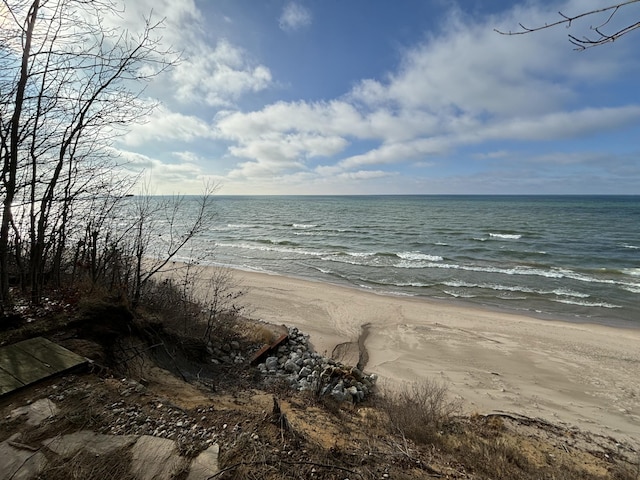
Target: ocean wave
561	292
419	256
267	248
564	292
267	241
631	288
633	247
348	259
239	225
511	297
459	294
303	225
412	284
518	270
506	236
634	272
586	304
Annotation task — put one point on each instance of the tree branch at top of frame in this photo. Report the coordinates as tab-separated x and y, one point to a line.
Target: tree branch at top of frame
582	43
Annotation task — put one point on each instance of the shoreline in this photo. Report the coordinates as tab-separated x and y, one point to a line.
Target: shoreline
580	375
445	301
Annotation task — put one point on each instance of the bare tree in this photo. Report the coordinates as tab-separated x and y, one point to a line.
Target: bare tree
69	84
158	229
600	35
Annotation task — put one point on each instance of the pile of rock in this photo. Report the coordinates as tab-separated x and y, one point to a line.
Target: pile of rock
306	370
225	353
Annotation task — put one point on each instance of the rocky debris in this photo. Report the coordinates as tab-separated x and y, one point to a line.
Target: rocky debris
164	421
152	458
306	370
225	353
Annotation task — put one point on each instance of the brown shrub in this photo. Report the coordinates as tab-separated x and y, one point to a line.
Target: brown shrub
419	410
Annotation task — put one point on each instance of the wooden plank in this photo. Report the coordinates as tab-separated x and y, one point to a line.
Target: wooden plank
23	366
32	360
47	352
264	352
8	382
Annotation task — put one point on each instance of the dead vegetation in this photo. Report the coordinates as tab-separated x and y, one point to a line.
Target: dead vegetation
157	374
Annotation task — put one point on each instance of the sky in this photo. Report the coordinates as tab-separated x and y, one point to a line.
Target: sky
381	97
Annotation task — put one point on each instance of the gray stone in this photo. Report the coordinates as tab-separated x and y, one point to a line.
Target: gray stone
304	372
206	464
19	464
68	445
36	412
291	366
271	363
155	458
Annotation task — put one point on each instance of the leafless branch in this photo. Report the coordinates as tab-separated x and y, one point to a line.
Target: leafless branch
584	42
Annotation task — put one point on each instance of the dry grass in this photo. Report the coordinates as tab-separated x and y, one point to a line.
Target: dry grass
419	410
86	466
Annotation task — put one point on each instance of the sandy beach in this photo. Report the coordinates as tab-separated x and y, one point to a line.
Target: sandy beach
580	375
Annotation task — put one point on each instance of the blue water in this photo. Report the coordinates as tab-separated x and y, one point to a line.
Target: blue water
566	257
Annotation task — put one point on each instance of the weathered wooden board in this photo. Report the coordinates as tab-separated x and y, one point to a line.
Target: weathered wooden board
32	360
261	354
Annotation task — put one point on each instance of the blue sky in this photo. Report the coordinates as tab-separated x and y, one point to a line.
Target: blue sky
380	97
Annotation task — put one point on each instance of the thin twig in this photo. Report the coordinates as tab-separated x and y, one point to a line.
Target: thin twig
583	43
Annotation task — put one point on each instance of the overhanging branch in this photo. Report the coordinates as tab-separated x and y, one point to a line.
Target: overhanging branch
583	43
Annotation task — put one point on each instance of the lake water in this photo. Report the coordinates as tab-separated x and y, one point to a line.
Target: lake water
566	257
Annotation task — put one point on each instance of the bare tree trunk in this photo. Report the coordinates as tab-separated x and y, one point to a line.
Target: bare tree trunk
10	162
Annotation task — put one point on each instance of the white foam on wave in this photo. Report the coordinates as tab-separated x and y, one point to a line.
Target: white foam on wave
634	272
239	225
343	259
419	256
586	304
412	284
459	294
561	292
304	225
633	247
506	236
518	270
266	248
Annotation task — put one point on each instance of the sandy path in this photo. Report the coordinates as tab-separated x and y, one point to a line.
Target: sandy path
578	374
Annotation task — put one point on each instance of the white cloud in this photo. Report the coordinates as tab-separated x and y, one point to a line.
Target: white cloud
294	17
218	76
462	86
165	126
168	178
560	125
364	175
214	74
